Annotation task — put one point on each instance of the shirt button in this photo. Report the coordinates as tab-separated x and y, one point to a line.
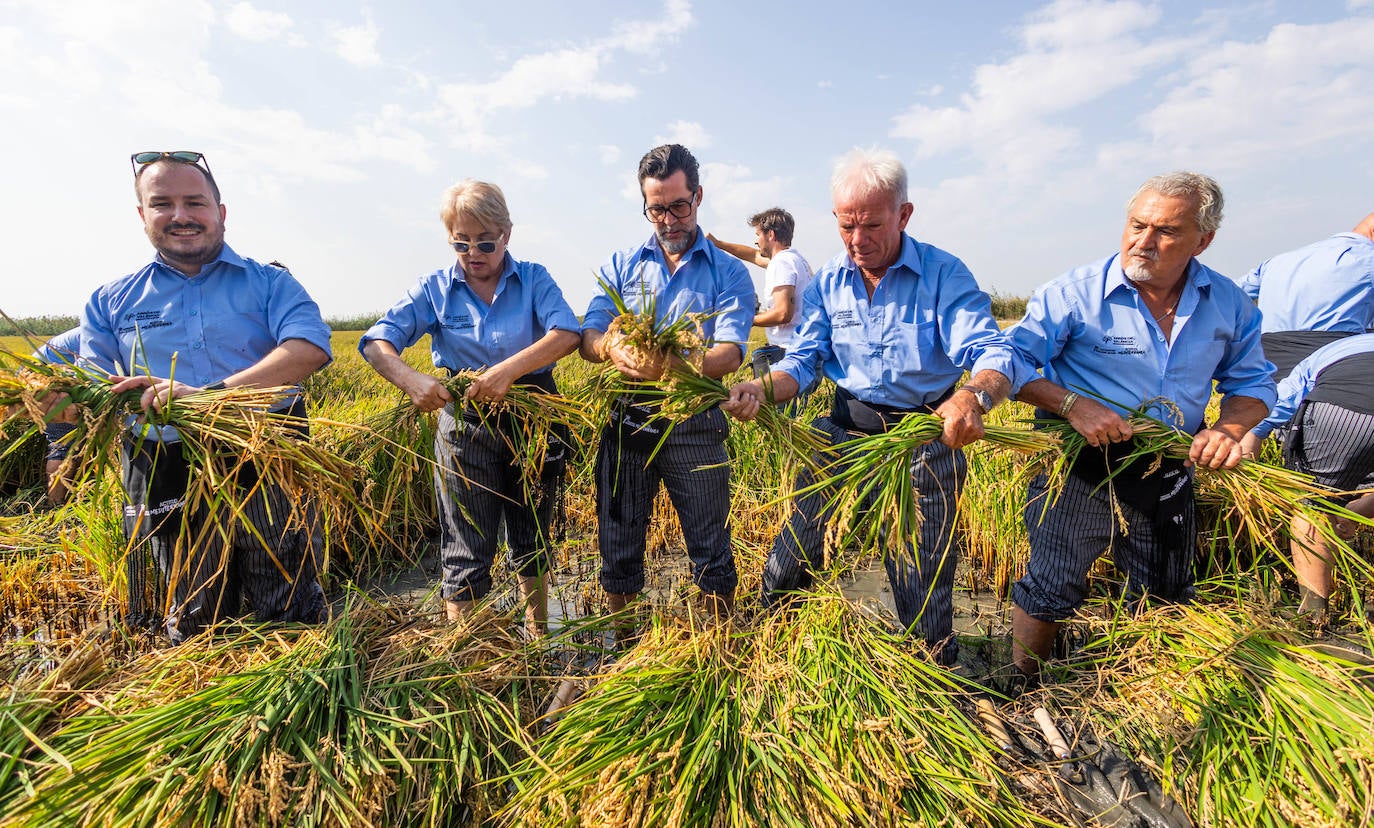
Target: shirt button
198	345
194	312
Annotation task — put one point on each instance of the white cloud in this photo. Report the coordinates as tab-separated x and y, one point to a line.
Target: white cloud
251	23
825	84
1239	105
688	133
732	194
645	37
1359	4
357	44
1074	53
609	153
563	74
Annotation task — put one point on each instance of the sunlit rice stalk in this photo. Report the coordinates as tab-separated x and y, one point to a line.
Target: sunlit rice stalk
378	719
869	495
1261	496
1254	723
812	718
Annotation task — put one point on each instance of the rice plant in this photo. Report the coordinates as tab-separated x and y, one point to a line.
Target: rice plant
377	719
807	719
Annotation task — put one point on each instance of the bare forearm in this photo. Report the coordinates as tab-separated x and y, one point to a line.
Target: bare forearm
1042	393
387	361
721	360
743	252
590	347
550	348
287	364
994	383
1239	415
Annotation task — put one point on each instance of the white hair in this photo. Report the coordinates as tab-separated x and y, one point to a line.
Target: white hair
1204	189
863	172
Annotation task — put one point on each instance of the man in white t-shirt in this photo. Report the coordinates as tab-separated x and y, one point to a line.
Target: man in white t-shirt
786	277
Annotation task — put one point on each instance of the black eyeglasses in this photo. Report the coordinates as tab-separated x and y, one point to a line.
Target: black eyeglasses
139	160
484	246
680	209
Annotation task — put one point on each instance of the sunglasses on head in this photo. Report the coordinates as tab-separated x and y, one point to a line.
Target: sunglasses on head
483	246
139	160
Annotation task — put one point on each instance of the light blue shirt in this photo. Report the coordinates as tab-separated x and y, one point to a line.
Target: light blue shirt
1089	329
1296	386
926	324
217	323
707	281
467	333
63	348
1325	286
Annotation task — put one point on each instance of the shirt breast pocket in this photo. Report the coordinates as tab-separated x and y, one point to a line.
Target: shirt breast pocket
1207	353
913	344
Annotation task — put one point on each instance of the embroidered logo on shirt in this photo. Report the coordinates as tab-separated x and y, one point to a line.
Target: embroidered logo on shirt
1118	345
145	320
844	319
458	321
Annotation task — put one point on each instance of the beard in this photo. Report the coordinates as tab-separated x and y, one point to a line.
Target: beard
175	250
677	245
1138	271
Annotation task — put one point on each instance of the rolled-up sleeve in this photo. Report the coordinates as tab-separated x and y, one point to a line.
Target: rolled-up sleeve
811	344
550	308
402	326
971	338
734	305
292	314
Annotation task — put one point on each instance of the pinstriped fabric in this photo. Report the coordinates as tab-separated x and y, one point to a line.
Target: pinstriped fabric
922	584
478	486
1334	444
694	467
270	557
1076	530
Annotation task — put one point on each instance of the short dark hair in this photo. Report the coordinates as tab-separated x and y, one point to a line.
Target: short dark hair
776	220
661	162
209	178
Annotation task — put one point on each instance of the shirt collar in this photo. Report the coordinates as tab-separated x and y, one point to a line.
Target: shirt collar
653	250
226	255
508	271
1199	276
910	257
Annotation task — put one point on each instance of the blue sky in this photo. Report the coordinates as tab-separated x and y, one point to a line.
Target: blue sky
333	128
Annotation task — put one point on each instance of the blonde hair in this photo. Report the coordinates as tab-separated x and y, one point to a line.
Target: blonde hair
479	200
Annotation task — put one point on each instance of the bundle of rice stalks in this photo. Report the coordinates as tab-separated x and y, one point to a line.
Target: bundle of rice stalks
237	448
1255	724
1262	497
32	702
870	499
816	718
392	451
375	720
651	338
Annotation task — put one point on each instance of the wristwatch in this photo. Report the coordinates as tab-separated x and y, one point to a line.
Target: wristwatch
984	398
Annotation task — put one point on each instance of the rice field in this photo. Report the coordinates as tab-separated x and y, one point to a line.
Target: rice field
1239	711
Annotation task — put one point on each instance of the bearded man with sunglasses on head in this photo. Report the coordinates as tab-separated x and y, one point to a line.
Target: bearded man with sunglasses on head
198	317
676	272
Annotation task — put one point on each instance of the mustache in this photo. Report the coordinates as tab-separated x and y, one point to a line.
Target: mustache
1152	255
185	225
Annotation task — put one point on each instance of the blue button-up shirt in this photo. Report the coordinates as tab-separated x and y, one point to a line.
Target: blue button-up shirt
1296	386
467	333
1090	329
63	348
217	323
926	324
706	281
1325	286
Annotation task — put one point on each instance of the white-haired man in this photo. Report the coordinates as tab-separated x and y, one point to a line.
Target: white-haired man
895	323
1147	323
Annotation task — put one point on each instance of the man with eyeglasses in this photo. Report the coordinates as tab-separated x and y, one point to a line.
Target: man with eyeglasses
676	271
199	316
